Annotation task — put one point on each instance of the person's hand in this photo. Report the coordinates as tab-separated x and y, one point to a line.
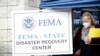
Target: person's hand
77	53
87	40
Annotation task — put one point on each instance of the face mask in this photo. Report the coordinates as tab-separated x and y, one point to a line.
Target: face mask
86	24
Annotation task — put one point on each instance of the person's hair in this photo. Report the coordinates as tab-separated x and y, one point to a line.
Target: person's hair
89	15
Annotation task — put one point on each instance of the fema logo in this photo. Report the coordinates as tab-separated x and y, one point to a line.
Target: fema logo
28	23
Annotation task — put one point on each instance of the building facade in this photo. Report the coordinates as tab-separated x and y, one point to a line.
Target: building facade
6	7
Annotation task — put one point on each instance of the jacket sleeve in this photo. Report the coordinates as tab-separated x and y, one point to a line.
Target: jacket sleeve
95	41
76	39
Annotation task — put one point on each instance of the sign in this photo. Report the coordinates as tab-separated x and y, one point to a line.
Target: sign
45	32
94	33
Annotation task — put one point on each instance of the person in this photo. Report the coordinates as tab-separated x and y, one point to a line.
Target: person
81	42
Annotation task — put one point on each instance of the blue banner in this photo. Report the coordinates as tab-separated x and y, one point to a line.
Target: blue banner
68	3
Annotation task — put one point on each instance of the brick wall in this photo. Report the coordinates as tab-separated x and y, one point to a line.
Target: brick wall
6	7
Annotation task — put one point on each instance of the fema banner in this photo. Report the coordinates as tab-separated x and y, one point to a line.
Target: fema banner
42	32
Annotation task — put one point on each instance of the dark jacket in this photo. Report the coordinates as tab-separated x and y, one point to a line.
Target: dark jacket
77	39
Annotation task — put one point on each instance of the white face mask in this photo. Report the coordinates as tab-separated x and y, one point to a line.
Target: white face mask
86	24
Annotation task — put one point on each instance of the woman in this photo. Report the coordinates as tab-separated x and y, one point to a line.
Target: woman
81	41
